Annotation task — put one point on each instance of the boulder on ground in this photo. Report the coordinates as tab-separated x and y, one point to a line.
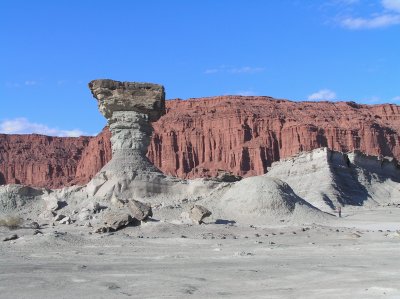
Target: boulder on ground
47	215
66	220
84	215
34	225
114	221
104	229
95	207
197	213
119	203
58	217
227	176
52	203
139	210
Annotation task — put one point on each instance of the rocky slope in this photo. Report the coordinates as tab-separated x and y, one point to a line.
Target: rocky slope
328	179
197	137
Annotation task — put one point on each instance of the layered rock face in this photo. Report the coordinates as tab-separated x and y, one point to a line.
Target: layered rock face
328	179
52	162
129	108
246	134
197	137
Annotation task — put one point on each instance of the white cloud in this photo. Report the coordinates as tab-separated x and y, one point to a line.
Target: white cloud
343	2
30	82
61	82
246	93
389	16
371	23
12	85
24	126
322	95
396	99
372	100
234	70
246	70
391	5
211	71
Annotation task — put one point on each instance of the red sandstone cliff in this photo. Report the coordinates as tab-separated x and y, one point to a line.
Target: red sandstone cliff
197	137
52	162
246	134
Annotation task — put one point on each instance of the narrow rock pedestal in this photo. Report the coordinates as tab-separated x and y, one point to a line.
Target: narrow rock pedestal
129	108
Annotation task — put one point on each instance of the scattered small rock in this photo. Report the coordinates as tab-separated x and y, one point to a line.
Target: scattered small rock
46	214
53	204
34	225
59	217
36	232
119	203
10	238
66	220
226	176
88	224
84	215
354	235
103	229
243	253
94	207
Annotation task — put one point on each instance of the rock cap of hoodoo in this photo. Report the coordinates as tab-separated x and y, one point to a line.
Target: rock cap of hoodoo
146	98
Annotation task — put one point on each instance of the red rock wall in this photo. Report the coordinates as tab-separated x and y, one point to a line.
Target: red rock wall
199	136
246	134
51	162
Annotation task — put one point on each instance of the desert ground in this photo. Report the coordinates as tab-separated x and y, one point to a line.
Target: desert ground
356	256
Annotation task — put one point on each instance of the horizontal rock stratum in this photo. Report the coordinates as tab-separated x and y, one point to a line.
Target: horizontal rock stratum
196	137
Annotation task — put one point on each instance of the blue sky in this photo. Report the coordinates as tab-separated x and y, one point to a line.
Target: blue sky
299	50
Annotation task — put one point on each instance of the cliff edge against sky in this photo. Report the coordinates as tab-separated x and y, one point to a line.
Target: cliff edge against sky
197	137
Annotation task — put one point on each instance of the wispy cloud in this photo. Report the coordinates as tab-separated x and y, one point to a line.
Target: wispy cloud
24	126
246	93
322	95
20	84
246	70
371	23
234	70
391	5
211	71
389	16
396	99
372	100
61	82
30	82
12	85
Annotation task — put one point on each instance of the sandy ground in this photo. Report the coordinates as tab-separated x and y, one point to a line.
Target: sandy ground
357	256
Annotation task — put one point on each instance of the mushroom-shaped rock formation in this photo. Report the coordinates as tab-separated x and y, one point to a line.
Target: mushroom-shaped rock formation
129	108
